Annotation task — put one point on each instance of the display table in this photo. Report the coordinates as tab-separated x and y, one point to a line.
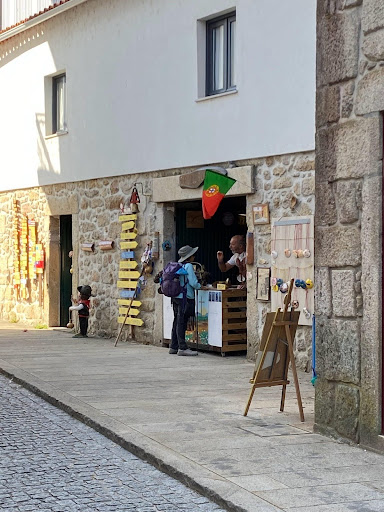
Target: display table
221	320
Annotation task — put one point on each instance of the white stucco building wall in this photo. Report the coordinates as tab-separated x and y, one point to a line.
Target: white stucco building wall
133	71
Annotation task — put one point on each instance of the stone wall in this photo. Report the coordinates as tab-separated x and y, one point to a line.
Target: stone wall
348	227
94	206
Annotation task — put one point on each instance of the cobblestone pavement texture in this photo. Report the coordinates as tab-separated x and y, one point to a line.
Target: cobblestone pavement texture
52	462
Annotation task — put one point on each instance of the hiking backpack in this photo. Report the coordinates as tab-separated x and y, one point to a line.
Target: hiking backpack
170	280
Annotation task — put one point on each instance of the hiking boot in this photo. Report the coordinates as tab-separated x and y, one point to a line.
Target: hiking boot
172	351
79	335
187	352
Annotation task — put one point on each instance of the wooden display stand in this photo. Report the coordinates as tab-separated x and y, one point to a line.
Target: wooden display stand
275	353
221	322
234	315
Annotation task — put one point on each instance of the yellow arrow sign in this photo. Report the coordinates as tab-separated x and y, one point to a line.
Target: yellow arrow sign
132	311
128	264
128	245
131	321
123	218
129	274
126	302
131	235
127	225
126	284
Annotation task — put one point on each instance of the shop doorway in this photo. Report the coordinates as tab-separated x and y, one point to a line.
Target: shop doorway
211	235
65	267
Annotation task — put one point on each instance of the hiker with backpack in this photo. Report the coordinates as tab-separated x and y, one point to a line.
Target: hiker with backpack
178	281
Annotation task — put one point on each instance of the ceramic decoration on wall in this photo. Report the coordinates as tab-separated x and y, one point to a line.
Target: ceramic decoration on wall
292	257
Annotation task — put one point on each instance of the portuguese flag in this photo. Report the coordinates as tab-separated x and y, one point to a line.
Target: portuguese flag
216	185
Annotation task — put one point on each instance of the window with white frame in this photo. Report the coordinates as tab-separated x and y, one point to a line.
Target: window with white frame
220	59
59	103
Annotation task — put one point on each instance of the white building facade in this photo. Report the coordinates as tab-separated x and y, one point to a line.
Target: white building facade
96	96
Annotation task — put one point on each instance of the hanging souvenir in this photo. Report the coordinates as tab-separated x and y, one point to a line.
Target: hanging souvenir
275	288
287	253
295	304
274	254
307	253
279	282
284	288
309	284
307	313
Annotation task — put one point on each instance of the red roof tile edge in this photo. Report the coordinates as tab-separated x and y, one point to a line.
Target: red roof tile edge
53	6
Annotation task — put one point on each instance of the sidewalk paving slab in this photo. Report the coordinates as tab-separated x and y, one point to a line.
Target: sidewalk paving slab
185	416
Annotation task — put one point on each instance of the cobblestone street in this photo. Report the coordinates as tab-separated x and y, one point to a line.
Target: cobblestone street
52	462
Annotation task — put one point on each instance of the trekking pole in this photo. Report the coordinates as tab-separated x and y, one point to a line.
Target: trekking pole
129	307
197	320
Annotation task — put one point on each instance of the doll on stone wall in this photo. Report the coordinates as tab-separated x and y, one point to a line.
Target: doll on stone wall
82	306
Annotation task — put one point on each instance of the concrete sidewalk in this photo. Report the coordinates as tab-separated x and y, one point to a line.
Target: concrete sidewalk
185	415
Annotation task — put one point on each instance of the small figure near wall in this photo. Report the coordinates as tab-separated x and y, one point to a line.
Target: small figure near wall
83	305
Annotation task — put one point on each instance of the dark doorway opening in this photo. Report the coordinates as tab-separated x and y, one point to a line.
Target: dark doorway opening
65	267
211	235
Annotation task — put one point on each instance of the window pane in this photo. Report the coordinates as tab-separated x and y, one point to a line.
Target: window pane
232	68
218	58
60	104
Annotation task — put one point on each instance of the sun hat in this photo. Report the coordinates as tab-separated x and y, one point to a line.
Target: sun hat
185	252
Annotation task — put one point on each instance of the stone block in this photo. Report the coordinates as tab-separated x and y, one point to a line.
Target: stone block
337	246
348	195
371	279
338	350
373	15
347	100
338	47
305	164
324	402
373	46
343	293
308	186
279	171
327	105
323	292
326	212
284	182
346	414
370	93
349	150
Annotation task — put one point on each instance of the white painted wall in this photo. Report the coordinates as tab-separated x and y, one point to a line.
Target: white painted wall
132	89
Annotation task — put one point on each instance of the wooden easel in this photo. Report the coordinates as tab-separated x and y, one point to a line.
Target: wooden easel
277	343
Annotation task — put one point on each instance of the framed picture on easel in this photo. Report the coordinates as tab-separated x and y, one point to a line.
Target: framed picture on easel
263	283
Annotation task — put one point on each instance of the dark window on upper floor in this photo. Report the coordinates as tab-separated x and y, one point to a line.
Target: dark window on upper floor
59	104
221	40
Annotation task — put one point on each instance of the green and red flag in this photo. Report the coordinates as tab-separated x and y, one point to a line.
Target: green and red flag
216	185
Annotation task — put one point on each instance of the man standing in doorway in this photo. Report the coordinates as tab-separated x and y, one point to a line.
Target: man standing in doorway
237	246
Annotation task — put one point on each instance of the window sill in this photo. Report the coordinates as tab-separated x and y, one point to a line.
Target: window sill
213	96
57	134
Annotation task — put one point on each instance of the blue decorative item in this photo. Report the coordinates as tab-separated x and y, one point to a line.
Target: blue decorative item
126	255
279	282
297	283
166	245
127	294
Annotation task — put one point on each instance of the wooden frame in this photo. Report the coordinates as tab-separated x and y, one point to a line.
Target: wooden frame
260	212
263	290
276	352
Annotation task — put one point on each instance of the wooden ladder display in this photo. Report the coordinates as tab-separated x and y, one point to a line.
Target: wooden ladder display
275	353
129	276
